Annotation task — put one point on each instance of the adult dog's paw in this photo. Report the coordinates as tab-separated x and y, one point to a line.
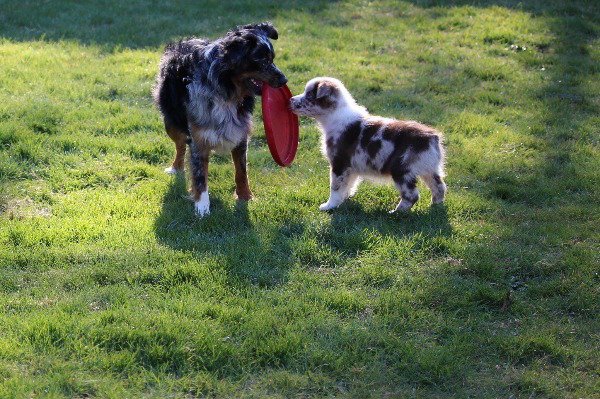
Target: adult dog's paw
202	206
172	171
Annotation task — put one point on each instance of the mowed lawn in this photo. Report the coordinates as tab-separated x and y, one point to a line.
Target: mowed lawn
110	287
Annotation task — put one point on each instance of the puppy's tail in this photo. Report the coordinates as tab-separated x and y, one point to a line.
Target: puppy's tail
438	149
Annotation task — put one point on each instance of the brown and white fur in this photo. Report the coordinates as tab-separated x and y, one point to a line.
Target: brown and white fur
359	145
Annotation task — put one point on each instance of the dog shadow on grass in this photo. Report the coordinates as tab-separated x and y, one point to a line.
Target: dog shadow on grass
250	254
257	251
356	229
429	220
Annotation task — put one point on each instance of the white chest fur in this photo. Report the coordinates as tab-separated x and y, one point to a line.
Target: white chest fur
215	121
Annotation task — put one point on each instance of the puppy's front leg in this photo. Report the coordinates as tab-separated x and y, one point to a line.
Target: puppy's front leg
199	153
340	187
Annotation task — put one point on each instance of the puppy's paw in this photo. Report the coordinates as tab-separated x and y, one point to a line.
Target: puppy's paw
172	171
402	208
326	206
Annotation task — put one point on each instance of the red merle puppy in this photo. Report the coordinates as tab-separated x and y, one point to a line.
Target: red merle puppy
205	91
359	145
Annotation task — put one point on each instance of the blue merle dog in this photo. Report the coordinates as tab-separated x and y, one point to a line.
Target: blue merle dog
205	91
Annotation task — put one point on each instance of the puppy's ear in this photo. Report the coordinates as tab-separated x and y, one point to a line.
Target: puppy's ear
324	89
266	28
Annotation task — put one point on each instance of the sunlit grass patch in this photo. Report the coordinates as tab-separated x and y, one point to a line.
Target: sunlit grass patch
110	286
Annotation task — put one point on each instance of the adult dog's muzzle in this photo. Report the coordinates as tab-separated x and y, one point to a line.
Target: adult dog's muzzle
276	77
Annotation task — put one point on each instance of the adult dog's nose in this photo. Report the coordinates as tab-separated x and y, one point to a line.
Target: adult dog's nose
282	80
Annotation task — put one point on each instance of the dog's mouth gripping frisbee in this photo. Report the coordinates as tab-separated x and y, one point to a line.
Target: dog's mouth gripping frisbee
281	124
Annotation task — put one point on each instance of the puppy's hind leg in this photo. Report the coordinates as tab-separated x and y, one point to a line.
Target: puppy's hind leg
436	184
407	185
341	186
180	140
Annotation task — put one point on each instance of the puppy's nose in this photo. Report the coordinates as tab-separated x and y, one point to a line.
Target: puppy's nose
282	80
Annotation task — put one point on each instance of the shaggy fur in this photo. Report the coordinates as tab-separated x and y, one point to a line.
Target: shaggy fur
359	145
205	91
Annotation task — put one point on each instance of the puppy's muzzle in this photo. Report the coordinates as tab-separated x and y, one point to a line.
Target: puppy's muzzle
293	104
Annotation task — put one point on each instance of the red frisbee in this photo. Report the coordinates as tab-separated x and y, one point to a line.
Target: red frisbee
281	124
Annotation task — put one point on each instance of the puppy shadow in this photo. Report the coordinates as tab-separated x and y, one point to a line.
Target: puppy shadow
353	226
248	253
431	220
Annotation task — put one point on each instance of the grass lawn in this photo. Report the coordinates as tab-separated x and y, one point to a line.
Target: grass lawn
110	287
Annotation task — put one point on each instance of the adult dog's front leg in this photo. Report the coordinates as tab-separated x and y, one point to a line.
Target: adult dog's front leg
199	153
238	154
341	186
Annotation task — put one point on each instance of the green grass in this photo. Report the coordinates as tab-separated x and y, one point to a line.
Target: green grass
111	287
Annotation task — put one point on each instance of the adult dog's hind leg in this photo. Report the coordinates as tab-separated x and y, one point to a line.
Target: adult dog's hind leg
180	140
238	154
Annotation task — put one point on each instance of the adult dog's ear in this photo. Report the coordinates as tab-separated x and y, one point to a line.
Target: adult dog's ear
324	89
232	49
266	28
